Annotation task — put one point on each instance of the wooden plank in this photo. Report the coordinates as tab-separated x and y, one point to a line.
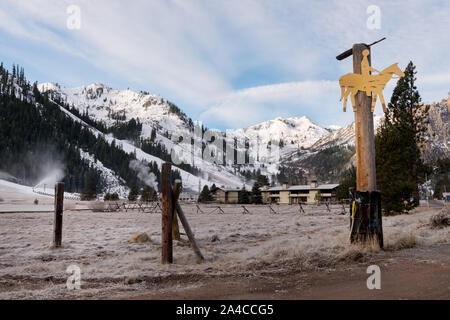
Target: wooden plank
188	230
176	195
58	217
167	211
365	144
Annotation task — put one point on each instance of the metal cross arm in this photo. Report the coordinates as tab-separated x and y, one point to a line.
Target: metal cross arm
349	52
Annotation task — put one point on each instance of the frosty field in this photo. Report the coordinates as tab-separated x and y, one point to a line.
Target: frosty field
234	245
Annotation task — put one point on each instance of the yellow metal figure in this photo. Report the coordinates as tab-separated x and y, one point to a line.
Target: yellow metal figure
351	83
366	70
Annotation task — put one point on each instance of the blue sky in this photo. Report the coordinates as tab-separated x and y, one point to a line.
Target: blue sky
228	63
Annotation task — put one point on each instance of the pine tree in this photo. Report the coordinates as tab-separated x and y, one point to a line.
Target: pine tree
91	190
243	196
148	194
133	195
213	188
398	160
442	173
256	193
205	195
262	180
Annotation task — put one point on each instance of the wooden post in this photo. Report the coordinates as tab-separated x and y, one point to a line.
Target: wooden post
366	221
167	213
365	201
58	217
175	227
188	230
365	141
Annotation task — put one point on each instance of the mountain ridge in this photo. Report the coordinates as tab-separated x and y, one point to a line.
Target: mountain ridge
293	134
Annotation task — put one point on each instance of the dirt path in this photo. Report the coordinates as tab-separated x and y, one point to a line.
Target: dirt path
419	273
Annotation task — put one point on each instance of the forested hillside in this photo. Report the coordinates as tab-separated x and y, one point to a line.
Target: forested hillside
35	134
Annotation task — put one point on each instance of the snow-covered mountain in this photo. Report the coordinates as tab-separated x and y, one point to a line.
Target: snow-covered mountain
437	144
162	118
108	106
343	136
298	138
293	132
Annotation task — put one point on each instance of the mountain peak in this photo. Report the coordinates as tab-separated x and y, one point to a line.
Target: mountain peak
47	86
296	131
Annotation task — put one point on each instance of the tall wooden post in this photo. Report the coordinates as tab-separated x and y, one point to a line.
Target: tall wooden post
58	217
167	214
365	141
365	205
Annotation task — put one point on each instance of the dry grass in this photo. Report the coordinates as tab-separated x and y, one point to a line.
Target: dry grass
69	206
442	219
97	206
231	243
326	252
404	241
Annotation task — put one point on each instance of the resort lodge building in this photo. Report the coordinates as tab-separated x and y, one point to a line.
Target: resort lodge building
308	194
226	195
284	194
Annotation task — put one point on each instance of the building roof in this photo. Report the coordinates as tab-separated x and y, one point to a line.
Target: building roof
304	187
327	186
229	189
274	189
300	187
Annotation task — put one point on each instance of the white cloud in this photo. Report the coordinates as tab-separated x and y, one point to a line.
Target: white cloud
315	99
200	53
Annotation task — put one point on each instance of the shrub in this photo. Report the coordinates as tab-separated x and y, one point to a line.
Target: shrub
114	196
442	219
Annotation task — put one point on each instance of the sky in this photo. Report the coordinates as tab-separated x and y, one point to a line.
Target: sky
228	63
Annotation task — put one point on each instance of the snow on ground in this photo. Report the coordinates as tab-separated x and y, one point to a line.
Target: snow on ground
19	198
232	243
16	197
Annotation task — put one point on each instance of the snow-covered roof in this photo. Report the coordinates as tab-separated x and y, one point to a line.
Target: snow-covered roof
274	189
229	189
300	187
327	186
304	187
